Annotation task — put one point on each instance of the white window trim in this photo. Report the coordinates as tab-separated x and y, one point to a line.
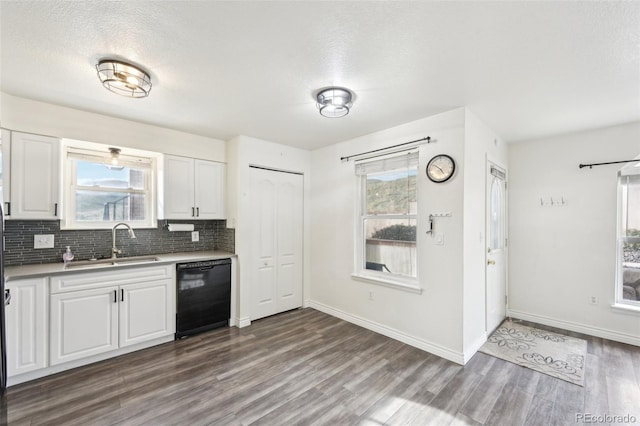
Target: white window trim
621	304
399	282
68	222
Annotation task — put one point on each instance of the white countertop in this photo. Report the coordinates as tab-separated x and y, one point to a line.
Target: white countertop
47	269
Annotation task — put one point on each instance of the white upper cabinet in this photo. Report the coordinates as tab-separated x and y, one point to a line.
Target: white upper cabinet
193	189
35	176
5	178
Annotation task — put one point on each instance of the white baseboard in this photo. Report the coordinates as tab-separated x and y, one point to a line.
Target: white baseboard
477	344
243	322
424	345
580	328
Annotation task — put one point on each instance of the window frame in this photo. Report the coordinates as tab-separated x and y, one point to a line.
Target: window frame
402	282
72	153
621	239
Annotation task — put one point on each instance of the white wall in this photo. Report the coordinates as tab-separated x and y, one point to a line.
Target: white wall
560	256
30	116
481	144
243	151
431	320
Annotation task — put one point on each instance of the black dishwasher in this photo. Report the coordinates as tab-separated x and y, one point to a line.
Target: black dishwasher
204	296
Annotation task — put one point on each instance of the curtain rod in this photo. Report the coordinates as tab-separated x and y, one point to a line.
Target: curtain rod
348	157
603	164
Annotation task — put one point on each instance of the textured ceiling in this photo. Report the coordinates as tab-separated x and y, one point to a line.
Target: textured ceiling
219	69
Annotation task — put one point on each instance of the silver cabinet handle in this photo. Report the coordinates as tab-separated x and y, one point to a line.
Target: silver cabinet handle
55	209
197	211
193	209
7	297
115	296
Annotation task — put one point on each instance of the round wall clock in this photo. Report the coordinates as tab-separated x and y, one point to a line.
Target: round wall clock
441	168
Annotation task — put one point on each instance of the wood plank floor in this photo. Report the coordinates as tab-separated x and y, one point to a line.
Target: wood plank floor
304	367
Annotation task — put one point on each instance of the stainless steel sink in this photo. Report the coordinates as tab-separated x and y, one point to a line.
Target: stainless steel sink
90	264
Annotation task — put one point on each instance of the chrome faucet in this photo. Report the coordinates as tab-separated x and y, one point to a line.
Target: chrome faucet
114	250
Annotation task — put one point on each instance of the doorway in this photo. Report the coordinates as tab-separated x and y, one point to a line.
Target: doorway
496	252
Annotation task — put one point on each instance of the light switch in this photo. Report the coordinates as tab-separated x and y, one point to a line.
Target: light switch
195	236
43	241
440	239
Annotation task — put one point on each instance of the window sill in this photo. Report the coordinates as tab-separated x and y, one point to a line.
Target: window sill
388	283
625	308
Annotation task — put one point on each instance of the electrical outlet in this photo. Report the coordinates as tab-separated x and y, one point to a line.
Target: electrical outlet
593	300
372	295
195	236
43	241
440	239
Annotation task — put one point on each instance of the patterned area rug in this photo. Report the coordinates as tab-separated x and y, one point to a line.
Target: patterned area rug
549	353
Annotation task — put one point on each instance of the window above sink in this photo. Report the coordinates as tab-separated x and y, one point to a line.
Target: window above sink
104	185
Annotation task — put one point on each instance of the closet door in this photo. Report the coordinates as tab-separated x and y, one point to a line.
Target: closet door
289	210
276	228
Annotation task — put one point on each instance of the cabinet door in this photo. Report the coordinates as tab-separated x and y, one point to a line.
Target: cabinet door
5	174
147	311
178	191
210	193
34	176
83	323
26	318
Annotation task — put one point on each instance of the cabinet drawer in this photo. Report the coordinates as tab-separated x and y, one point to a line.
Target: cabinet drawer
112	277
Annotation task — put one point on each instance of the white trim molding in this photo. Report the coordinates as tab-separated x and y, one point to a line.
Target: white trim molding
424	345
475	347
630	339
243	322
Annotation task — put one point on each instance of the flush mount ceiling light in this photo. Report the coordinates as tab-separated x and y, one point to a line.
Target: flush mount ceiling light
123	78
334	102
114	164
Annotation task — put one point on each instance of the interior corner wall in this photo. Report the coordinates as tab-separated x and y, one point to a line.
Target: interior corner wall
26	115
431	320
244	151
561	255
481	144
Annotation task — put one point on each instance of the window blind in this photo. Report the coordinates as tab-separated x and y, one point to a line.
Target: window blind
402	161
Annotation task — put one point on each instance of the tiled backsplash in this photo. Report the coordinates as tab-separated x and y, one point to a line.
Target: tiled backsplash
214	235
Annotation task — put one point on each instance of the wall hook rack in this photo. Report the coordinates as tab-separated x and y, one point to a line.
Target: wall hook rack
432	216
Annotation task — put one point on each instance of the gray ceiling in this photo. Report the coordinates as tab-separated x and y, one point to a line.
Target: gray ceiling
219	69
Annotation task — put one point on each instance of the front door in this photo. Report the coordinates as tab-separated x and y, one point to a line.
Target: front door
496	267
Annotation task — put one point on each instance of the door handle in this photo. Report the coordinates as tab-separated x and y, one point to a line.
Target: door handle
115	296
121	295
197	211
55	209
8	212
193	211
7	297
491	262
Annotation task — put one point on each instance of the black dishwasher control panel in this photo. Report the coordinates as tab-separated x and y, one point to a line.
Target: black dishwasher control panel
203	264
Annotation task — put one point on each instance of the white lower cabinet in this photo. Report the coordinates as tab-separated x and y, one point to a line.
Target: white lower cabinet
27	325
146	312
115	310
83	323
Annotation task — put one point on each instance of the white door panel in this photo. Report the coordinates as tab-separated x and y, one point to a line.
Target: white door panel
277	230
146	311
27	325
496	276
83	323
